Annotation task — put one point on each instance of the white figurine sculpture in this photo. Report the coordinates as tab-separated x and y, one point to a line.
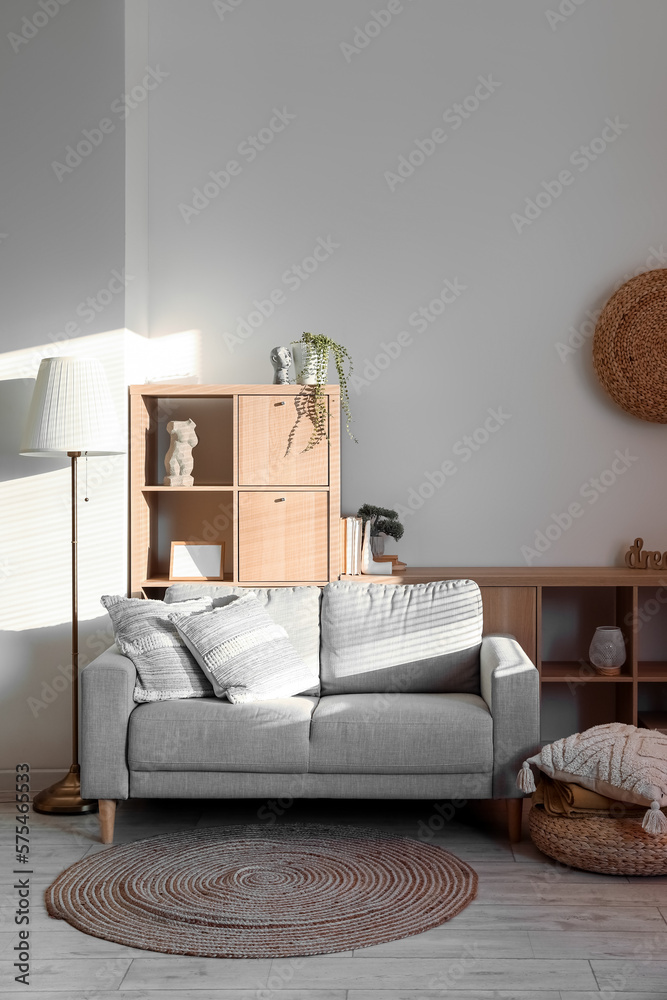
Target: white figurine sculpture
179	461
281	359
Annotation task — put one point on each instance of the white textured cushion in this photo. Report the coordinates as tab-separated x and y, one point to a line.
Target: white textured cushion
416	638
297	609
616	760
243	652
165	667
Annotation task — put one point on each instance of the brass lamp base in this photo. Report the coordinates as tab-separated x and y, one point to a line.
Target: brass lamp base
64	796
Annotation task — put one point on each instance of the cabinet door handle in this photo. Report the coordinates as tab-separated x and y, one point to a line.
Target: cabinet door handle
281	403
280	500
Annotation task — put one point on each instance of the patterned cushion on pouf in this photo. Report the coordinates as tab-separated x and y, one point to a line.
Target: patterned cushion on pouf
619	761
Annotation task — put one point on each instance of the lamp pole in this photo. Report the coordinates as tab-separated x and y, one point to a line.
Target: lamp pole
65	795
71	413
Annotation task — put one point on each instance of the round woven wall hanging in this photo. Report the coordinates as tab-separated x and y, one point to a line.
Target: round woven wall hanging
630	346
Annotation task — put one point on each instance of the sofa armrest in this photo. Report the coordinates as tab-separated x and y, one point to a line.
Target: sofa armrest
510	686
107	689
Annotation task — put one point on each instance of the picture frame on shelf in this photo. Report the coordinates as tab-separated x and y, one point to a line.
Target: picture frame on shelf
197	561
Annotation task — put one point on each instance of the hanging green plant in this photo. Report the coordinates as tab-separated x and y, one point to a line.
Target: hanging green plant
313	370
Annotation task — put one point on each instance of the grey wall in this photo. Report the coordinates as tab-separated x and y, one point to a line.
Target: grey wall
495	345
505	340
61	241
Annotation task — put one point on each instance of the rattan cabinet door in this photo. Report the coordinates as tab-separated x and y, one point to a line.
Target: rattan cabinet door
283	536
274	432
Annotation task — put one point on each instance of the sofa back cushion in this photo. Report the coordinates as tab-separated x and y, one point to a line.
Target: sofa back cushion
415	638
297	609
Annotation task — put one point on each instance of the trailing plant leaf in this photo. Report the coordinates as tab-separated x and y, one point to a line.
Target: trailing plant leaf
304	403
322	346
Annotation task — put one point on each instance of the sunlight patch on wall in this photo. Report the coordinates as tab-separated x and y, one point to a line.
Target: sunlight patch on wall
35	557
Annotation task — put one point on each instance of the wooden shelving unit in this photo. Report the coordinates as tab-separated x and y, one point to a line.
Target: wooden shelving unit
274	504
553	612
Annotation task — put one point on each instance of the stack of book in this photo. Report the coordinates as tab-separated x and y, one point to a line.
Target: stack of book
351	537
351	540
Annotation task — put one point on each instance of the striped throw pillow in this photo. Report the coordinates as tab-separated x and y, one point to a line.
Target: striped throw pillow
244	653
165	667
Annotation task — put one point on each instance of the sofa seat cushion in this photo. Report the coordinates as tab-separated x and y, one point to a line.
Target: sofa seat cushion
212	735
401	734
414	638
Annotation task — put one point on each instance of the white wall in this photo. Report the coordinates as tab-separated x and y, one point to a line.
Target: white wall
62	240
219	70
495	345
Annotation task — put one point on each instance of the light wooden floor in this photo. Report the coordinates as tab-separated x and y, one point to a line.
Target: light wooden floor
536	931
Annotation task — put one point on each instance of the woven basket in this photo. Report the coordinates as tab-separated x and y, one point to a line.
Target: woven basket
599	843
630	346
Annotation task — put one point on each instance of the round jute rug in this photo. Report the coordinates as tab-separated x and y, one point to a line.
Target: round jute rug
249	892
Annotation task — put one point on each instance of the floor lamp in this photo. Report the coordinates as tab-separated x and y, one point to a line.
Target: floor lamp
71	413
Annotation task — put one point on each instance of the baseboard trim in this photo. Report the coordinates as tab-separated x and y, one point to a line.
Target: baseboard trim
39	778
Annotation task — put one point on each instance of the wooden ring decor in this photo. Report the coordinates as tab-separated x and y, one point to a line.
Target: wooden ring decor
630	346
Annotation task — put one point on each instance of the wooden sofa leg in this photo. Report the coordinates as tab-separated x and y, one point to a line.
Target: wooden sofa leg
107	819
514	811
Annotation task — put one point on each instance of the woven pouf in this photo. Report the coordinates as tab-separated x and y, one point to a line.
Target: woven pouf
599	843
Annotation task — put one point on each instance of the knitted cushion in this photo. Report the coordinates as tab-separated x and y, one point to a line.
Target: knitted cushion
616	760
244	653
165	667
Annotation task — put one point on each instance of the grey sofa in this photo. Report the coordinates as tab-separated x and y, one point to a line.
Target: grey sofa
413	704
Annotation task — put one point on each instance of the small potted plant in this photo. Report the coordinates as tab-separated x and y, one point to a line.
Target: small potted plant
311	363
384	522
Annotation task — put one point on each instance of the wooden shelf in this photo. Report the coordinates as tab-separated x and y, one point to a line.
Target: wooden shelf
251	445
223	487
653	720
652	670
164	581
573	671
522	576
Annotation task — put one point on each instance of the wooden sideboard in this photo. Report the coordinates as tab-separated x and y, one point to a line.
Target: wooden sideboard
553	612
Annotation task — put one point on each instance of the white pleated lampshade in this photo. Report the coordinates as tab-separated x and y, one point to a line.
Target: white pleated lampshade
71	410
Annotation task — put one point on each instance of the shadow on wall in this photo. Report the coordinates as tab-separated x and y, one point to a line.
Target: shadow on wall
35	690
35	493
35	499
16	395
